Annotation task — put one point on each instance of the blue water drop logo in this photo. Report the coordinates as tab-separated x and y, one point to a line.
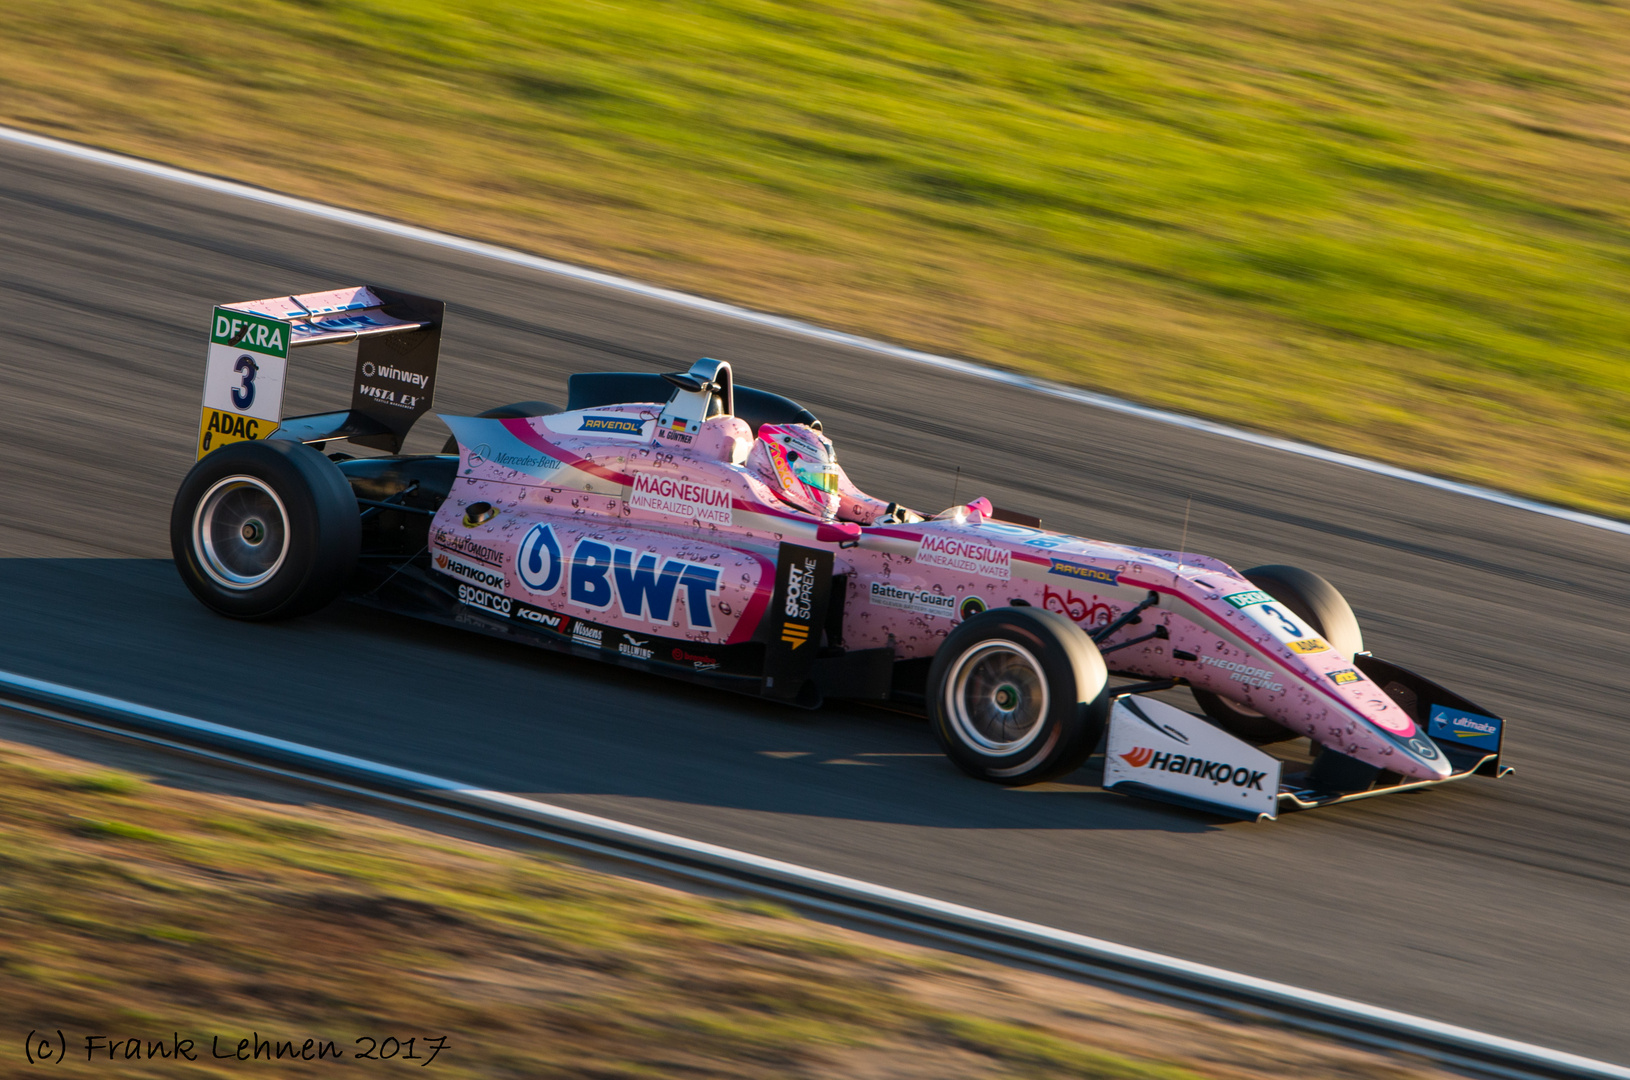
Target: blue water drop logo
540	560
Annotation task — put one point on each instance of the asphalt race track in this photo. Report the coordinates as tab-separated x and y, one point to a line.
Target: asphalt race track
1501	906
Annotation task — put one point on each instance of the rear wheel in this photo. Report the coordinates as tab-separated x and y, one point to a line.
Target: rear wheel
517	411
265	530
1316	602
1017	696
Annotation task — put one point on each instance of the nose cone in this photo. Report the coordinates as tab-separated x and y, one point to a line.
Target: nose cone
1417	757
1389	736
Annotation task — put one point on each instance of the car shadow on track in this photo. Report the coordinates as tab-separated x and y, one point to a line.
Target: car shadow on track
510	717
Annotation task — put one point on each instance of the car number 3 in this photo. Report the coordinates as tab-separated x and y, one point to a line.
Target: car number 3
1284	620
243	395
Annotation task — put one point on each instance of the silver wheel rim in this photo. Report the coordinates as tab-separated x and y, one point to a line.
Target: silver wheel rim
996	698
240	532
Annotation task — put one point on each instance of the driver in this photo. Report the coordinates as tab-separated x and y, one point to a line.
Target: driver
798	464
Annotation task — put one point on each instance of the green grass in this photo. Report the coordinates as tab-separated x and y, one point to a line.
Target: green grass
1397	228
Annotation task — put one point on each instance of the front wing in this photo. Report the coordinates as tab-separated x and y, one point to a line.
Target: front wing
1157	751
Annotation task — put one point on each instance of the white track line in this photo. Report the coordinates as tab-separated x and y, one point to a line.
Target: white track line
831	884
793	326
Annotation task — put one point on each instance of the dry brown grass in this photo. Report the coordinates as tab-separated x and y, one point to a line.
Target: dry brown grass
130	908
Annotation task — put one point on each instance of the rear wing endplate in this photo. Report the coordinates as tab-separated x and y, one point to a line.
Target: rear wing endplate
398	338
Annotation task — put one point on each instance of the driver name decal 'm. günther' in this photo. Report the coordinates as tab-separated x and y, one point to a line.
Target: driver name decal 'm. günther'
969	556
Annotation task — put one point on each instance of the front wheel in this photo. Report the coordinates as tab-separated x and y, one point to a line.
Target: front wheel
265	530
1017	695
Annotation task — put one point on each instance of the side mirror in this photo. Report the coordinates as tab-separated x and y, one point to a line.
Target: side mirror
846	533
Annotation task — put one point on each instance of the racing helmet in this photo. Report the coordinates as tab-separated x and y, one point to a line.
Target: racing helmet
799	465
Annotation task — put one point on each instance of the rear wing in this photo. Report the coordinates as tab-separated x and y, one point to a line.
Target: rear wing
398	338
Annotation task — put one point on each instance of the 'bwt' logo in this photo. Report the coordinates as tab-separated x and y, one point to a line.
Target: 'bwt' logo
644	583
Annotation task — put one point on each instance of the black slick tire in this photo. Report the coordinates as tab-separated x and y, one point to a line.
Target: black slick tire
265	530
516	411
1316	602
1017	695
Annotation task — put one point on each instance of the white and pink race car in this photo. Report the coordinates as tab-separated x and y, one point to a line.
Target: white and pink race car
680	524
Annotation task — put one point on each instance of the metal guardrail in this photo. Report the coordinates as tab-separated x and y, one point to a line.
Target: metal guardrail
968	928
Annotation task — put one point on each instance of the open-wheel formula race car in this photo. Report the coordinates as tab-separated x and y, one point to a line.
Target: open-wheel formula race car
681	524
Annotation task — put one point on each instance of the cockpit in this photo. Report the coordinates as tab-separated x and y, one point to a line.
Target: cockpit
772	436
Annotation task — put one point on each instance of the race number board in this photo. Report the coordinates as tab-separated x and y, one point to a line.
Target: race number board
243	378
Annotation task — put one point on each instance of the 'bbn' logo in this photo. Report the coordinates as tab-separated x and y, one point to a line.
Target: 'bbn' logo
539	564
